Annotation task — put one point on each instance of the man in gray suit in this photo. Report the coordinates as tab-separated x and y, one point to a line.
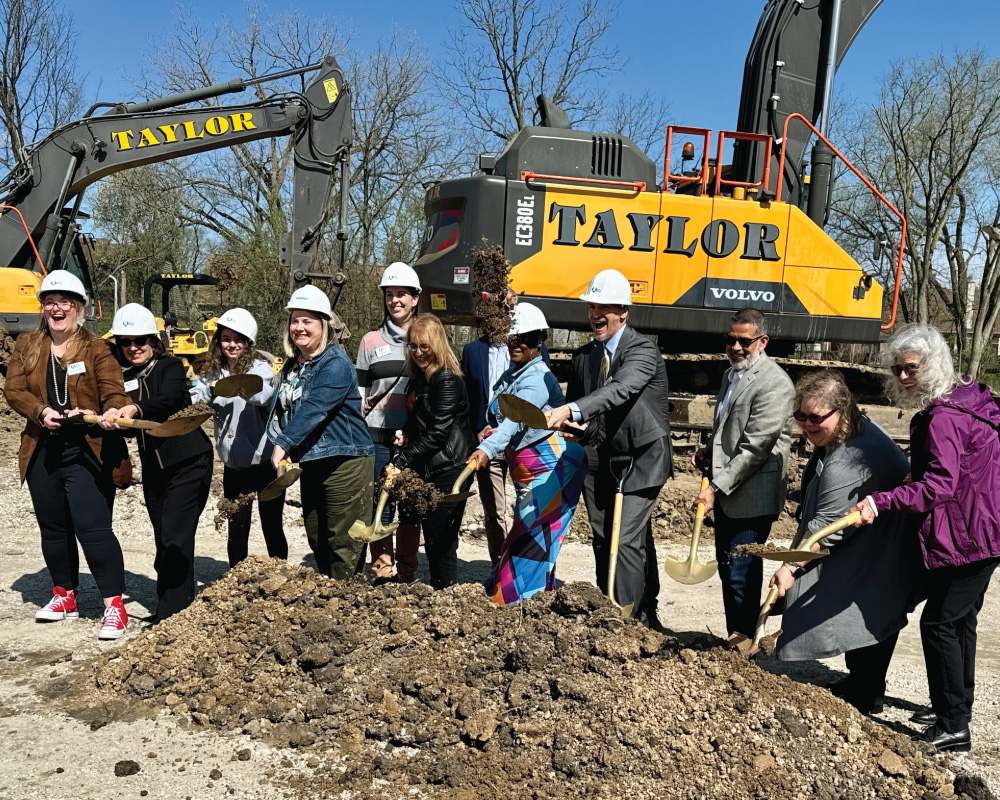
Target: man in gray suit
747	462
618	391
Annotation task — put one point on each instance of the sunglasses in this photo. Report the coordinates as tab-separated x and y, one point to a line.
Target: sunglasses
137	341
909	369
743	340
813	419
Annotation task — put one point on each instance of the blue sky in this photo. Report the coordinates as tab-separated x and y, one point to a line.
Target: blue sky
690	51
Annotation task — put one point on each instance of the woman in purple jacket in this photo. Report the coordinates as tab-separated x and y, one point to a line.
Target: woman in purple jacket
952	500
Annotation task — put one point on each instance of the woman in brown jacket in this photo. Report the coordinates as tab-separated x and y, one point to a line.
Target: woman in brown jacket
55	374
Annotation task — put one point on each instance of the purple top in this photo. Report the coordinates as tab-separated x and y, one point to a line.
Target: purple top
955	459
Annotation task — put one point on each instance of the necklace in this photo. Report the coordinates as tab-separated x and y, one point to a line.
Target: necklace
55	382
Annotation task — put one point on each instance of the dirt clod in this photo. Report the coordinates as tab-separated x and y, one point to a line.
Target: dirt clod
758	549
125	768
555	697
193	410
412	492
230	508
492	281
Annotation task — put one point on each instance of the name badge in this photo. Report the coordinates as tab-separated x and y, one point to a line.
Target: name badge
384	350
297	394
132	385
76	368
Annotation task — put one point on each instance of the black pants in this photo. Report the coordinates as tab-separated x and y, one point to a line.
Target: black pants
250	481
175	498
637	575
742	576
73	502
948	633
441	530
868	667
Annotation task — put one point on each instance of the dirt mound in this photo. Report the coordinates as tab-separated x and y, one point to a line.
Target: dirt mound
402	690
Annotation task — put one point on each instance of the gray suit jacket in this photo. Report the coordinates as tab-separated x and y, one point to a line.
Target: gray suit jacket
750	443
634	404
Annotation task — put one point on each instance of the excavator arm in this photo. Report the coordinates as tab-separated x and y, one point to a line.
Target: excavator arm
47	186
789	70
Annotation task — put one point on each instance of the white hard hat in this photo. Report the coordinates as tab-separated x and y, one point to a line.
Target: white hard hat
609	287
64	282
310	298
400	274
241	321
527	317
133	320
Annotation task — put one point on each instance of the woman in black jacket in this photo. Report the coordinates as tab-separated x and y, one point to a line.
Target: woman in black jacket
176	472
437	439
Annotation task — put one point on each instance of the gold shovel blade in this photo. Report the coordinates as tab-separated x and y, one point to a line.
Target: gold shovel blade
279	484
683	571
178	427
520	410
371	533
243	385
747	646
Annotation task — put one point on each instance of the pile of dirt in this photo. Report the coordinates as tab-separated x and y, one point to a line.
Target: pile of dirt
492	281
758	549
400	690
413	493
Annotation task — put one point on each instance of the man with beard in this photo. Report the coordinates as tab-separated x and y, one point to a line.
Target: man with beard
747	463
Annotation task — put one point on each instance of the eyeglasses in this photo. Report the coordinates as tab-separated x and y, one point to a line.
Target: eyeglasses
418	348
63	305
743	340
813	419
137	341
909	369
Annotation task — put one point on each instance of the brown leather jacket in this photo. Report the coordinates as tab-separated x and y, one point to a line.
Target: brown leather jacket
99	387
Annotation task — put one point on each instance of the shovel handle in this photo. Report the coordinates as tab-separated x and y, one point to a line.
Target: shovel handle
765	611
470	467
833	527
616	529
699	518
124	422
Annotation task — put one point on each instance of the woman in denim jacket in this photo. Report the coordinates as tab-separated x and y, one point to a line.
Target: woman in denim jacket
548	472
315	420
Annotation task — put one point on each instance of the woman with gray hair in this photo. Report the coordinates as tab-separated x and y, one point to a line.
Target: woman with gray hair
952	500
854	601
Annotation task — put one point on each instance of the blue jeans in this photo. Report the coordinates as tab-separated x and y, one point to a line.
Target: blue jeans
742	575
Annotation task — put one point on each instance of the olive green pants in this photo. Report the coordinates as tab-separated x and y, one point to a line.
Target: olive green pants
335	493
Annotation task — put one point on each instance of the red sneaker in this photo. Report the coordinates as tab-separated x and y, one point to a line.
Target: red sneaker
115	621
61	606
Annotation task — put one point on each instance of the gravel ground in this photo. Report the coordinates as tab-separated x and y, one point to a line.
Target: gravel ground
54	755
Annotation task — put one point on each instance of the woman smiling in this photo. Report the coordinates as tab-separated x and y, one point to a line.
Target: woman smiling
315	420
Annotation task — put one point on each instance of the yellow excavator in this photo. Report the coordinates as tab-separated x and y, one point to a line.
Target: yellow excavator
40	199
712	238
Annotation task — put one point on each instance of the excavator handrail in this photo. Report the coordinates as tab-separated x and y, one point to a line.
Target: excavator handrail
528	176
743	136
866	182
27	234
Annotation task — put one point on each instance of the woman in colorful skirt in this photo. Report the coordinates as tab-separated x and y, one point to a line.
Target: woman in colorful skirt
547	470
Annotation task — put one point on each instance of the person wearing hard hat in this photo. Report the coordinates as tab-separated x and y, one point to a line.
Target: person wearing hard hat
55	374
383	383
483	362
547	470
315	420
618	396
177	471
240	436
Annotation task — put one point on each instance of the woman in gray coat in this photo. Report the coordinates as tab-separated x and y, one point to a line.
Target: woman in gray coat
855	600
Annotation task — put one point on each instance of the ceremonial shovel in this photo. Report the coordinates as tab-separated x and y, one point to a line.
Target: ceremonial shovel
691	571
242	385
375	531
287	475
163	430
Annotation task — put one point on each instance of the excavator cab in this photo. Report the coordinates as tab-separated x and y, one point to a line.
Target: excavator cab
187	342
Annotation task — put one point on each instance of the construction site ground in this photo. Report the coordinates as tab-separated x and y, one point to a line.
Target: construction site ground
634	715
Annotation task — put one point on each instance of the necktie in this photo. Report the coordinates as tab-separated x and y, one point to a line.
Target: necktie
602	377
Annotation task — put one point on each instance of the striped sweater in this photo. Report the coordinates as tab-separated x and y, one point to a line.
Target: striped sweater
382	381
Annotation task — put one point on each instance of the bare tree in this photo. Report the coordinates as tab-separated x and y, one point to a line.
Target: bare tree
510	51
922	145
40	87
